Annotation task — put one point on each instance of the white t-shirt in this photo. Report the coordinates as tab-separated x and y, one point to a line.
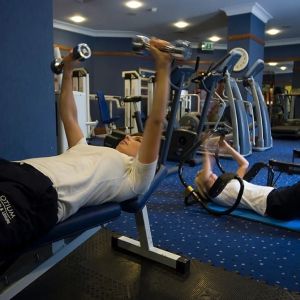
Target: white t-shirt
87	175
254	196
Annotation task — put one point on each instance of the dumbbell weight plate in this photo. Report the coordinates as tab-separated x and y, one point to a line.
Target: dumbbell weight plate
57	66
138	45
182	49
81	52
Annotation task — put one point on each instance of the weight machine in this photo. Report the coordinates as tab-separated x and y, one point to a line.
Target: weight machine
102	107
81	84
238	116
137	83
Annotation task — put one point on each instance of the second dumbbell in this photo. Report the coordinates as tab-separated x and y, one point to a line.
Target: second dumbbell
179	49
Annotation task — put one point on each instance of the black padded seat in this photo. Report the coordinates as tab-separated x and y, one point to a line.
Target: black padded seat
85	218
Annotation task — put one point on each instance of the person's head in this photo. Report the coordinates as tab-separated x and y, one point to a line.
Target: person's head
204	182
130	145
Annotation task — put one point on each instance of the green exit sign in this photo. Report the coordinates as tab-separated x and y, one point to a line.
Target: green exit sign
207	46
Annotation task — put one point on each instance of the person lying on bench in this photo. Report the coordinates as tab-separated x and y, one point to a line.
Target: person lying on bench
281	203
37	193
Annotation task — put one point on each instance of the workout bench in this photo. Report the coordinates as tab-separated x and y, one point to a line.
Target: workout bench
65	237
68	235
144	247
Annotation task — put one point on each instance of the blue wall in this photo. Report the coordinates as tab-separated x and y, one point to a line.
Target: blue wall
27	108
242	25
105	70
283	79
282	53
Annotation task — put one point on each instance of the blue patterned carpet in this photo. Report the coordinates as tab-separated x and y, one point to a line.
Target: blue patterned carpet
253	249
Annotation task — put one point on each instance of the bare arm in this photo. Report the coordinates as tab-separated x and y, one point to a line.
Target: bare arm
67	106
149	149
242	162
204	179
207	167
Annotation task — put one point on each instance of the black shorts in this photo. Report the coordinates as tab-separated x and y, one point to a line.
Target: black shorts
283	203
28	206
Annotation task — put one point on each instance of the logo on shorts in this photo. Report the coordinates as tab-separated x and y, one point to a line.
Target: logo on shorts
6	209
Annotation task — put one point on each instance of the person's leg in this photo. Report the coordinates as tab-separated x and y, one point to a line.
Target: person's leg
24	218
283	203
14	221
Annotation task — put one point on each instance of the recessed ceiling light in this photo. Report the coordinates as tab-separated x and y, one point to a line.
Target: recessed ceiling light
181	24
273	31
272	64
283	68
77	19
133	4
214	38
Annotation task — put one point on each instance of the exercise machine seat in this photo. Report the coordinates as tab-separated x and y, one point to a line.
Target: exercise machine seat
104	110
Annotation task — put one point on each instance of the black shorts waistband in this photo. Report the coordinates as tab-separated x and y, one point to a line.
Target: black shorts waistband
19	172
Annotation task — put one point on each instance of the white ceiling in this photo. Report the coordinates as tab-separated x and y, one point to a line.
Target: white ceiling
207	17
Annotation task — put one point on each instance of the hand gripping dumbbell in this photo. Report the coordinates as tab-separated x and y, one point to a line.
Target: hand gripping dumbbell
179	49
81	52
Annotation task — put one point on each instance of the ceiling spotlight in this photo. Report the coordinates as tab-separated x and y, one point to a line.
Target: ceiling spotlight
214	38
273	31
133	4
283	68
181	24
77	19
273	64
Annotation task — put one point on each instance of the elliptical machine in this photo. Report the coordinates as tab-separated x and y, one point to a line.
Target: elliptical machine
183	139
263	138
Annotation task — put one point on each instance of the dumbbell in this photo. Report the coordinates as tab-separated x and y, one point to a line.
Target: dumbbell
81	52
179	49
